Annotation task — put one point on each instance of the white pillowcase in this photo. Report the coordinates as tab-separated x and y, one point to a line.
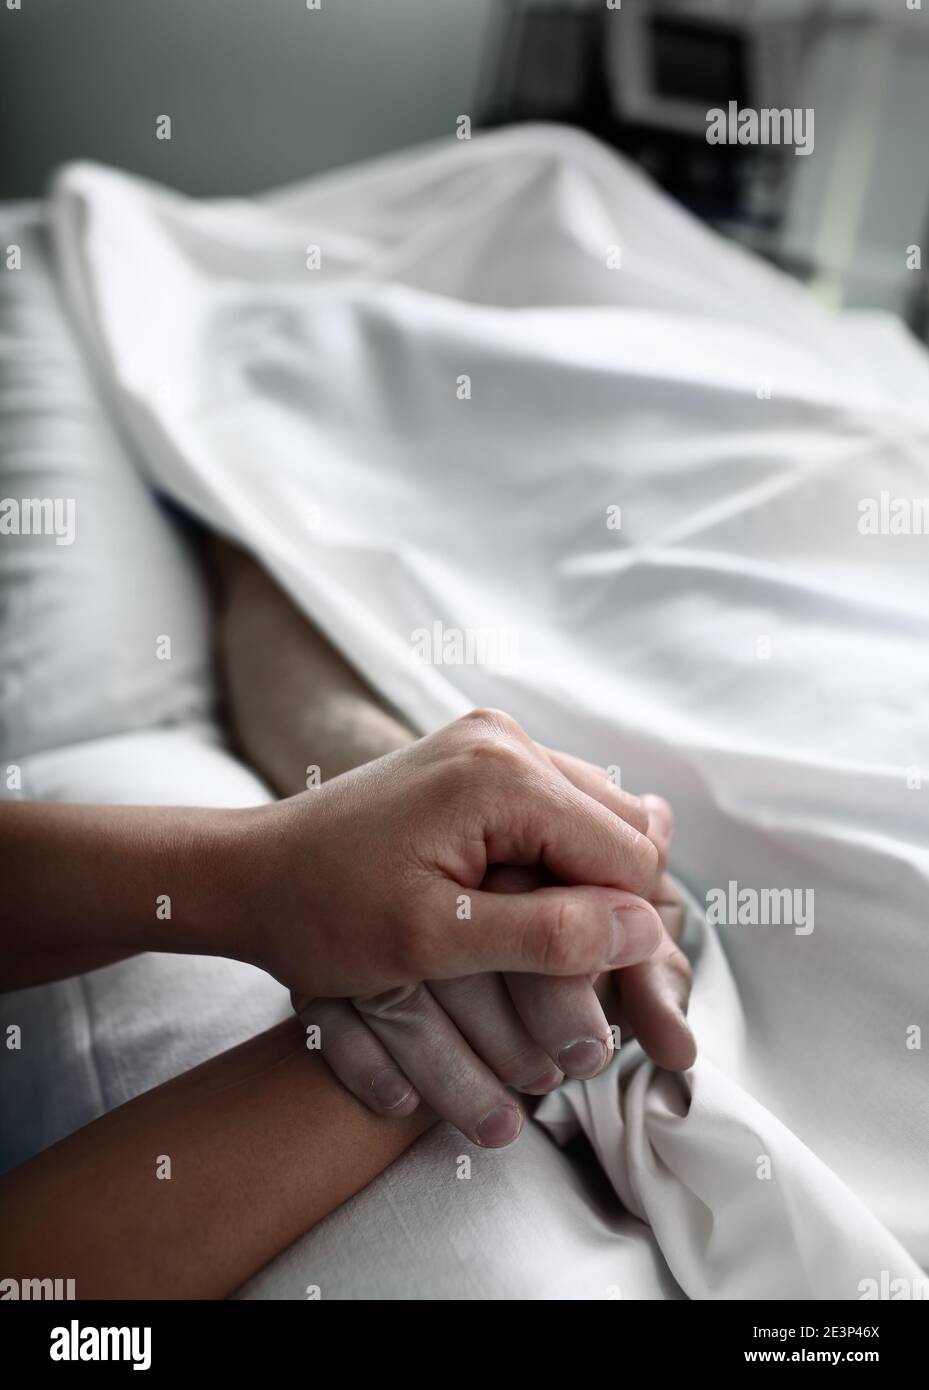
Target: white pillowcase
80	622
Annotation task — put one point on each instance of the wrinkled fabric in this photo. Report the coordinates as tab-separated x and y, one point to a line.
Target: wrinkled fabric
418	390
447	1220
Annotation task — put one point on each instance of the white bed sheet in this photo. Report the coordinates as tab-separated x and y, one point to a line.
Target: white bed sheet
528	1223
391	504
76	628
738	645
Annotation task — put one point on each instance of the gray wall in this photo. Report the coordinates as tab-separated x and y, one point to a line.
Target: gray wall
259	91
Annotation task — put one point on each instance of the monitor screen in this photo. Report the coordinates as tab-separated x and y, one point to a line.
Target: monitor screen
697	62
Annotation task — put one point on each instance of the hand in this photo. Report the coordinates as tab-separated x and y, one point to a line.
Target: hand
374	881
649	1001
458	1043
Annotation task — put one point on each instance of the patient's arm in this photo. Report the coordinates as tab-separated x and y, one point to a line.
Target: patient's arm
293	701
263	1142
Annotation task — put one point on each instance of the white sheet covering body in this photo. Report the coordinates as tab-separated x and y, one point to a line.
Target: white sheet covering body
78	625
419	390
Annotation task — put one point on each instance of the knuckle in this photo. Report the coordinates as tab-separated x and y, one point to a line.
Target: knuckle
558	937
680	976
529	1067
414	944
501	756
678	965
673	918
494	720
406	944
647	861
635	813
660	814
404	1004
357	1069
418	922
547	1080
490	754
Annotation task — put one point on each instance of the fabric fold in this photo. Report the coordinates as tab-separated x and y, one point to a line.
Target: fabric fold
508	384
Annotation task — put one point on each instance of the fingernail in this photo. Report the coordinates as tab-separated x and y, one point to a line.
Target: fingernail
583	1058
636	932
499	1126
390	1088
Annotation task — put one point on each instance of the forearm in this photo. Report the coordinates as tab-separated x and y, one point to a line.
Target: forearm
292	701
263	1142
85	885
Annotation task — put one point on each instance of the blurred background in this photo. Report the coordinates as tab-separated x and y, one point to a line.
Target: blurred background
262	92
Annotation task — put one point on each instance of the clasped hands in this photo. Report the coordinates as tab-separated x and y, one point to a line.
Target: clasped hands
467	914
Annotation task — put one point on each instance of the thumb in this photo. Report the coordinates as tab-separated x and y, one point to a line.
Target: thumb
551	931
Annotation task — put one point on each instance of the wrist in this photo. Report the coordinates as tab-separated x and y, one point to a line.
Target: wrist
243	899
209	876
242	876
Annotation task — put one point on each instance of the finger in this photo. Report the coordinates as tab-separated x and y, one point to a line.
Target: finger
517	878
654	1001
484	1013
446	1072
566	1018
595	782
525	811
552	931
649	814
583	842
660	828
669	905
654	996
358	1059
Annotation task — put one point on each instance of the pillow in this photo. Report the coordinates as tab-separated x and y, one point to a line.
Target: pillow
104	621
